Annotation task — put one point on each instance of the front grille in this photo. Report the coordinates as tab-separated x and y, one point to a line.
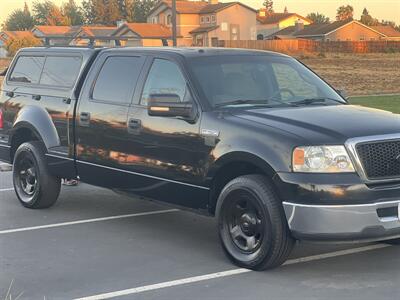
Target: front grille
380	160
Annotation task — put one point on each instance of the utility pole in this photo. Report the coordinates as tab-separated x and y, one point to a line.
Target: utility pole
174	23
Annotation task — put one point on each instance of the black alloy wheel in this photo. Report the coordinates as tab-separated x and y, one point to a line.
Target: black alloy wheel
34	185
252	225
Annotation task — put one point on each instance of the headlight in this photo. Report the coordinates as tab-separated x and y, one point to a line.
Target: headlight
321	159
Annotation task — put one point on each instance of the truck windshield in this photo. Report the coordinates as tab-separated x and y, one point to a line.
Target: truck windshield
260	80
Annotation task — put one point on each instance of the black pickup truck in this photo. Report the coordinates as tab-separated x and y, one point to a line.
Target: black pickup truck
254	138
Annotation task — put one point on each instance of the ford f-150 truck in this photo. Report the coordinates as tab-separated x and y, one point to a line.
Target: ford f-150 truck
254	138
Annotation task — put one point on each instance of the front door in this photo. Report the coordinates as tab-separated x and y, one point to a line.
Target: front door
169	152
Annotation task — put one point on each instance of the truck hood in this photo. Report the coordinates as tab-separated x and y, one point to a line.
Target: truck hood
326	124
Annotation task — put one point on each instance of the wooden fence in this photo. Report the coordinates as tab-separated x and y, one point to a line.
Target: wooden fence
293	46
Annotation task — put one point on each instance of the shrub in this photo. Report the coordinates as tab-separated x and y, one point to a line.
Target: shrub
14	44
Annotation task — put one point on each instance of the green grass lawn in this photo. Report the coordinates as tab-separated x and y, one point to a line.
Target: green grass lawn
390	103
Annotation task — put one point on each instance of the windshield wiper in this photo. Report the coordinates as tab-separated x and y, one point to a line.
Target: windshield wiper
263	102
309	101
242	101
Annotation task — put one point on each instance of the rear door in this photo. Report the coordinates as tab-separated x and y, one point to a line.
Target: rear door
101	119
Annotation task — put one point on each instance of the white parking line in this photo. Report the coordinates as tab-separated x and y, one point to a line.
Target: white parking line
156	212
7	189
195	279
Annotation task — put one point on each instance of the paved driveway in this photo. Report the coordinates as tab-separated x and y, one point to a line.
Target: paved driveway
96	243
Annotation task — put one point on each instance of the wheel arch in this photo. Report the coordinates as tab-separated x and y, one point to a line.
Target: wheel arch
233	165
33	123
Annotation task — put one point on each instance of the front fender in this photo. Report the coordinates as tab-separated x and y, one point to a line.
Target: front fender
270	154
39	121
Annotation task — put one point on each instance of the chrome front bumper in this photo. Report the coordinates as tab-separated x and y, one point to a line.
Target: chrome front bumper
346	223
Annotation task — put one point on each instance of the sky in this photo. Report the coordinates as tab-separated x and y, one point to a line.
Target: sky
380	9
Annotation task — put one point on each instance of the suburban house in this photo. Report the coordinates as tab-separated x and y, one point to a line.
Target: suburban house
143	34
204	23
388	31
9	35
348	30
94	35
55	35
269	23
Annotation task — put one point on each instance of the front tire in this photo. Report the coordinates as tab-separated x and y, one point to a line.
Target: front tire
34	185
252	225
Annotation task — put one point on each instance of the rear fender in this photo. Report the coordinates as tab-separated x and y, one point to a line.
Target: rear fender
39	122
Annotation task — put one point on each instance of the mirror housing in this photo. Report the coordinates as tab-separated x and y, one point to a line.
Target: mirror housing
169	105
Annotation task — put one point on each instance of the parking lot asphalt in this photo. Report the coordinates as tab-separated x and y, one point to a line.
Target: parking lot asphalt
97	244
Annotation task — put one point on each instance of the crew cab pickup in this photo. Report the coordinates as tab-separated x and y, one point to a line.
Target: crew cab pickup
254	138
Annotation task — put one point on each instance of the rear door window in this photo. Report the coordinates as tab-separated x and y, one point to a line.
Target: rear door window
60	71
27	69
117	79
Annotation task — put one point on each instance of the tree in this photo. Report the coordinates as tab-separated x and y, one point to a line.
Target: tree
19	20
318	18
113	13
56	18
41	11
14	44
269	6
345	13
141	8
285	10
367	19
72	12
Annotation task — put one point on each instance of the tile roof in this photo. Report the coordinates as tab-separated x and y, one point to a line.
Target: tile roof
313	29
186	7
202	29
15	34
278	17
212	8
387	30
148	30
199	7
93	31
53	30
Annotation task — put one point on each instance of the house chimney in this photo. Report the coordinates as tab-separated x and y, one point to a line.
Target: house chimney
262	12
120	23
299	25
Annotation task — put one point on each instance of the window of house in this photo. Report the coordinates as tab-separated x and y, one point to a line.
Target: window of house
117	79
27	69
164	77
213	18
154	20
169	20
201	19
60	71
207	19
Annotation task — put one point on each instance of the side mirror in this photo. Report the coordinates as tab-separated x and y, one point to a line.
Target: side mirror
343	93
169	105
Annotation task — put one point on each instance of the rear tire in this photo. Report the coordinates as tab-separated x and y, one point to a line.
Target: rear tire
252	224
34	185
